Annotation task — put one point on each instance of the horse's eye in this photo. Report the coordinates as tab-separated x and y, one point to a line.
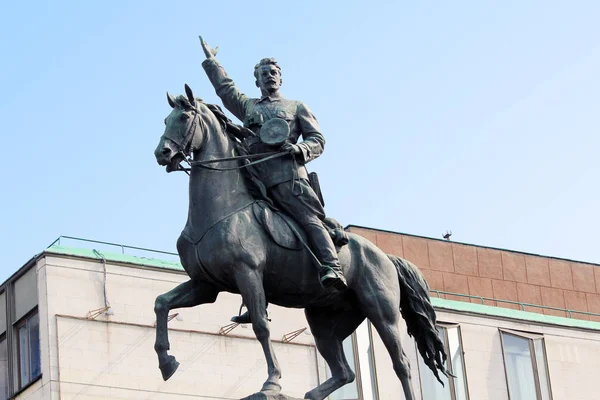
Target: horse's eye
184	117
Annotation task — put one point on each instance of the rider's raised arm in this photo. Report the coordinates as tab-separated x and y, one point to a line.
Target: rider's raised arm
313	141
234	100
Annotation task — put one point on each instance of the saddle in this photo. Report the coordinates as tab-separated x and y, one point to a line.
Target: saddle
278	226
284	231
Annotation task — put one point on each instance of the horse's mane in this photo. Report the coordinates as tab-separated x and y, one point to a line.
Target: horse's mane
237	134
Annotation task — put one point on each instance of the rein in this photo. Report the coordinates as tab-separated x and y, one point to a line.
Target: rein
204	164
266	157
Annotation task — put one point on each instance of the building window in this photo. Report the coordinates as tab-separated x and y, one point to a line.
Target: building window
454	388
358	349
3	369
365	358
28	344
525	365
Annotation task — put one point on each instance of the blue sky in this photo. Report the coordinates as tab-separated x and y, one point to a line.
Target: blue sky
478	117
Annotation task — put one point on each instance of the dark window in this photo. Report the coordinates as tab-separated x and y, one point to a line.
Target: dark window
28	339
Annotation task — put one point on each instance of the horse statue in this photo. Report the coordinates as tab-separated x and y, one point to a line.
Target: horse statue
382	287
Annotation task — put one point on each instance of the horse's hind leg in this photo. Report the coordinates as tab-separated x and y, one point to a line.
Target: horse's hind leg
187	294
390	335
330	328
384	314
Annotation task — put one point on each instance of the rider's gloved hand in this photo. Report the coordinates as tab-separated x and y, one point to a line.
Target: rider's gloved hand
291	148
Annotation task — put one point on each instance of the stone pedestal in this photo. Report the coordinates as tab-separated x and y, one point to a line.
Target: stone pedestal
262	396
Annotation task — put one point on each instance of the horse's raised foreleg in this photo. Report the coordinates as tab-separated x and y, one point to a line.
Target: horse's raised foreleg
330	328
187	294
250	285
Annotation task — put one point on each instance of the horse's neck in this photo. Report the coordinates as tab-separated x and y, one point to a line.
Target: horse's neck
215	194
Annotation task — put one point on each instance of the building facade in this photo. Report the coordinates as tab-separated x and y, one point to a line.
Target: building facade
78	323
498	274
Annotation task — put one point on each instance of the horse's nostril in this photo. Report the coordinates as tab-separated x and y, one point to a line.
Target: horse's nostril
166	151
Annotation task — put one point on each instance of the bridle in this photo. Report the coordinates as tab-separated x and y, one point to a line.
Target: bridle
182	147
187	140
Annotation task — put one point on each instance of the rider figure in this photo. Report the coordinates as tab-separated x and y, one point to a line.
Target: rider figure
285	177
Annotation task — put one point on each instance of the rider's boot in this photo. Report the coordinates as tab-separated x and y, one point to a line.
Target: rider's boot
242	319
245	318
330	272
332	276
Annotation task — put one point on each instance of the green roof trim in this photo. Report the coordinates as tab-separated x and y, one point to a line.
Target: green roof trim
114	257
501	312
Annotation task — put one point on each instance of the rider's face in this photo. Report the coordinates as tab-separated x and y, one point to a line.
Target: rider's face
269	78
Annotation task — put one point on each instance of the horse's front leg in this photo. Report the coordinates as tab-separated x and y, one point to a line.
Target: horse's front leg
250	285
187	294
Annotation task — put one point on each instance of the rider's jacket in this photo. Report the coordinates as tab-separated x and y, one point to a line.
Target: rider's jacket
254	112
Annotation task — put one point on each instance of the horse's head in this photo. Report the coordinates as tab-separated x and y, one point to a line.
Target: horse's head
185	129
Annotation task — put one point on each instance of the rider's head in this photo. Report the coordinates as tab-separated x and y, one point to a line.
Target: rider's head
268	76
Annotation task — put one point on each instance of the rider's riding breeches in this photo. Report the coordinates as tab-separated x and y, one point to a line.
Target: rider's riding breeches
304	206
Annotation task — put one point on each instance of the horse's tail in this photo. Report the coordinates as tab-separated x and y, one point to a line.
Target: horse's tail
419	315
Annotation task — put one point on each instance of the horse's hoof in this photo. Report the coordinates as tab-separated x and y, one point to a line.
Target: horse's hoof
169	367
271	388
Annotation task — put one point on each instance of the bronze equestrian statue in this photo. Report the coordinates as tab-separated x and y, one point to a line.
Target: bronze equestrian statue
285	178
225	212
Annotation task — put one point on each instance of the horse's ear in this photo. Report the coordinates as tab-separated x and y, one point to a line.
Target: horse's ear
171	100
190	95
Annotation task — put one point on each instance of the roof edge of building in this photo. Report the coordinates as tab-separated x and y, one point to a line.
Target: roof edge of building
471	244
114	257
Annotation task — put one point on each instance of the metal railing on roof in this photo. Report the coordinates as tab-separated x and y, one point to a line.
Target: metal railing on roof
123	247
518	303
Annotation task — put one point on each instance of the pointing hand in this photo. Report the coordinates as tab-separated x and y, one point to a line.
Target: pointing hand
208	52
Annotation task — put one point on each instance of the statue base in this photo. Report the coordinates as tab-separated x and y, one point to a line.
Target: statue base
262	396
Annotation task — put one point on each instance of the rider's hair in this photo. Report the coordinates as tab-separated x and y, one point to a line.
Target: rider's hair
267	61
